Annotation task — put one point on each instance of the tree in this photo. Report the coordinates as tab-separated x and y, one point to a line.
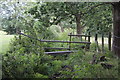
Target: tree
13	17
116	28
8	25
99	18
9	16
54	13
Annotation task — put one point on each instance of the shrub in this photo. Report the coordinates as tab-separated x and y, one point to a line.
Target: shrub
26	59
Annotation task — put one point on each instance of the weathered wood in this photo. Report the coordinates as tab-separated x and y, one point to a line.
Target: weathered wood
78	35
65	41
54	40
62	48
59	52
56	48
28	36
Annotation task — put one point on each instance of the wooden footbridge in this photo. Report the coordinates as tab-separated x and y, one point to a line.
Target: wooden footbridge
69	48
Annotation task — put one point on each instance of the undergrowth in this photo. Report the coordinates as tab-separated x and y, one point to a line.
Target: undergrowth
26	59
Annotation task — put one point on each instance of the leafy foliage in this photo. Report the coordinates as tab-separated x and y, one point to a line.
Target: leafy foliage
26	56
54	13
26	59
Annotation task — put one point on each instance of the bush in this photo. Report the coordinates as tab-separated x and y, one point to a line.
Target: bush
10	30
25	60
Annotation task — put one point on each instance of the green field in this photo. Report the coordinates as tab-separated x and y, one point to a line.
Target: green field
4	41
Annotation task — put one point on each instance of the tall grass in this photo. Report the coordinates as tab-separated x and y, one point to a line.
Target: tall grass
4	41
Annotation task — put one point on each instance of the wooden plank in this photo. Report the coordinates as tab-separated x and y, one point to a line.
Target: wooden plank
65	41
29	36
60	48
59	52
56	48
78	35
54	40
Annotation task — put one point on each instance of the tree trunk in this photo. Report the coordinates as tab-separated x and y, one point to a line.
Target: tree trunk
116	29
79	27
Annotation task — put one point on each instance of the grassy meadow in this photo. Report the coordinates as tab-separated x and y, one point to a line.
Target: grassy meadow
4	41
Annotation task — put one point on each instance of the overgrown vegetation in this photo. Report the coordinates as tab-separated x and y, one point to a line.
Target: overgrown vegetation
26	58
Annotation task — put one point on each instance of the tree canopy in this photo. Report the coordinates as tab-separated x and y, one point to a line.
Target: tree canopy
83	14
